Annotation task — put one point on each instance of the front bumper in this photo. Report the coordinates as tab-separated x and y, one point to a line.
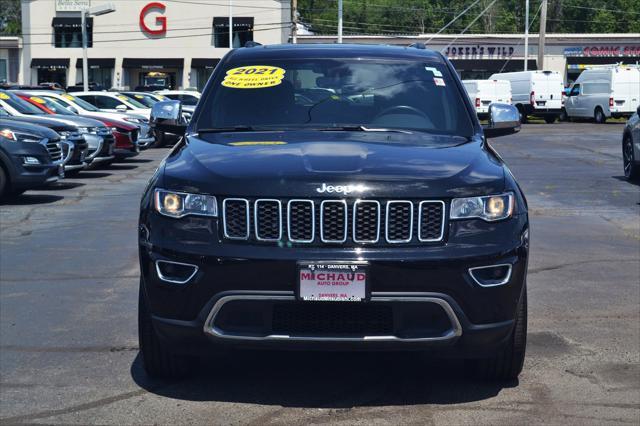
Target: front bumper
474	320
28	176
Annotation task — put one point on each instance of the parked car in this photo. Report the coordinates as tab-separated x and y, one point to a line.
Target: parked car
30	157
124	133
114	102
600	93
79	87
187	97
74	145
631	146
483	93
144	135
150	99
387	223
98	136
535	93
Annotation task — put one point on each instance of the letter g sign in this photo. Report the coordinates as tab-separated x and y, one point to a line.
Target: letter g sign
160	20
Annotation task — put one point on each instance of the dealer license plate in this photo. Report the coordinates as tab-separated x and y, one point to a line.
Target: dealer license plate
332	281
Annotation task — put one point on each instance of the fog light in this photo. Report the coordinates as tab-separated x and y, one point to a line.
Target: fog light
490	276
175	272
31	161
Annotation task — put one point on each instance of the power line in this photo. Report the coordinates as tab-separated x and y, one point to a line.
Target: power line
285	25
601	9
470	24
452	21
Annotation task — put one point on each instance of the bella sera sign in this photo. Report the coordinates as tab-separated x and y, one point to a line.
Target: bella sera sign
479	51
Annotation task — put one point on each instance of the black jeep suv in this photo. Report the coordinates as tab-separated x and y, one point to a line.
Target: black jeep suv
336	197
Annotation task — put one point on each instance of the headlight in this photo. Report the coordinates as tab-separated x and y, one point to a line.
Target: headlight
19	136
180	204
489	208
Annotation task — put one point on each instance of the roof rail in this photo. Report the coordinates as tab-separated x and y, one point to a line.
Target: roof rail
251	43
417	45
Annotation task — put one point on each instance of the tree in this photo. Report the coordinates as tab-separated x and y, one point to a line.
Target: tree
10	17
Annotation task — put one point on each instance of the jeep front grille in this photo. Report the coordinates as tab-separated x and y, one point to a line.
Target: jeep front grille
329	222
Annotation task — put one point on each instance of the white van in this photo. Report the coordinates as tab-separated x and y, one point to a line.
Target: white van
536	93
604	92
485	92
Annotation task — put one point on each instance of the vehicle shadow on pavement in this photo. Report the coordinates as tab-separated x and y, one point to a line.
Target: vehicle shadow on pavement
90	175
64	185
325	380
27	199
635	182
134	160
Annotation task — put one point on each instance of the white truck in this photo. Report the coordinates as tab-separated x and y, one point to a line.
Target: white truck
535	93
604	92
483	93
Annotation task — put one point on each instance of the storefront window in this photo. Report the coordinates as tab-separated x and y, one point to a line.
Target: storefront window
53	75
68	32
203	75
242	31
3	71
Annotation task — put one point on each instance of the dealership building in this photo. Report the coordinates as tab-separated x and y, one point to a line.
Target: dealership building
142	42
178	43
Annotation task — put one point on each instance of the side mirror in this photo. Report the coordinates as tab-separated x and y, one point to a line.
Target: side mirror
166	116
121	108
504	119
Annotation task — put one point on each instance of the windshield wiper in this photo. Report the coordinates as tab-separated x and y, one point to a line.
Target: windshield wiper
360	128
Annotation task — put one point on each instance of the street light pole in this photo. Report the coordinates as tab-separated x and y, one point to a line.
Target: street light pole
339	21
85	61
230	24
526	35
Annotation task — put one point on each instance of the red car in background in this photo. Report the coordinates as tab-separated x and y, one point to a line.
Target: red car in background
125	134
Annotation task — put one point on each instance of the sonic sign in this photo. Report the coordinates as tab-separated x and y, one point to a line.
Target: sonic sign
161	21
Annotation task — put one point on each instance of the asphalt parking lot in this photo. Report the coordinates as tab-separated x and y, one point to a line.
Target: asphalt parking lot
68	314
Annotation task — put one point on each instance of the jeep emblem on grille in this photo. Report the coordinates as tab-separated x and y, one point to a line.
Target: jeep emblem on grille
341	189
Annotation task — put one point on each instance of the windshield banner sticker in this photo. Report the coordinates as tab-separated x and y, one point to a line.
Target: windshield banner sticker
434	71
253	77
438	81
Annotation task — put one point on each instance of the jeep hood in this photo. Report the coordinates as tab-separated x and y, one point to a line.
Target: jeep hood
296	164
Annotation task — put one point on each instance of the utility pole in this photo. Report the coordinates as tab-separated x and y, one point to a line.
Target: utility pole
294	21
526	35
230	24
339	21
541	34
85	61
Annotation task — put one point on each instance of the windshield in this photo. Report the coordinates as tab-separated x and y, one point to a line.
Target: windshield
334	93
53	105
146	100
20	105
70	99
129	100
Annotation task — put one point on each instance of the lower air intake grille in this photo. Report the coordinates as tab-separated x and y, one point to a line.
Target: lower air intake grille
325	318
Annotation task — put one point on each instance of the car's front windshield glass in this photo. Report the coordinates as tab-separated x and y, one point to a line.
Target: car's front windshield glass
20	105
129	100
336	93
80	102
146	100
54	106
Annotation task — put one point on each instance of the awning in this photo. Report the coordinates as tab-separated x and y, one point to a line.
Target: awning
98	63
50	63
70	23
492	65
153	63
204	62
238	21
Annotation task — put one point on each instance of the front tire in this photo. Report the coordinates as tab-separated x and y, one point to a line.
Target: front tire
507	364
550	119
563	115
631	169
158	359
599	116
4	184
